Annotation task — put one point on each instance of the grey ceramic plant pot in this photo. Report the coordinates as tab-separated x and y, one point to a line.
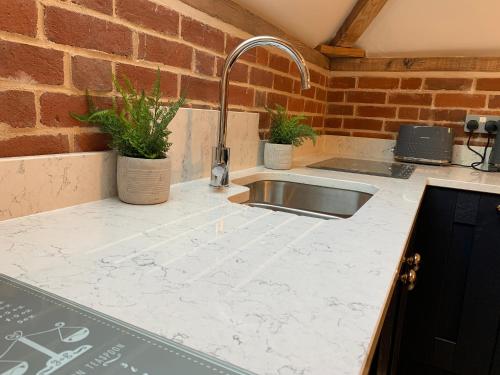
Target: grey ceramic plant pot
277	156
143	181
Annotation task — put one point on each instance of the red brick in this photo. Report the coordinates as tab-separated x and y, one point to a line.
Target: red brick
408	113
25	63
494	101
202	34
317	121
103	6
460	100
362	123
320	94
410	99
340	109
309	93
79	30
488	84
260	98
200	89
344	133
373	135
374	111
27	145
310	106
17	108
86	142
411	83
307	120
262	56
204	63
294	71
239	95
295	104
232	42
342	82
335	96
377	97
239	73
393	126
165	51
273	99
264	120
19	16
260	77
282	83
323	80
333	122
149	15
378	83
91	74
452	115
315	76
56	108
447	84
144	78
279	63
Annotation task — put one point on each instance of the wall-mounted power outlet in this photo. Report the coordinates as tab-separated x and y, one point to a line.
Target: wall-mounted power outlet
482	120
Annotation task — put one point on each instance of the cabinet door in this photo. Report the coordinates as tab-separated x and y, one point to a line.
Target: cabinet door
478	345
452	319
386	357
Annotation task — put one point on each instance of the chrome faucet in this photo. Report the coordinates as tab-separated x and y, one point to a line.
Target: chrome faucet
220	157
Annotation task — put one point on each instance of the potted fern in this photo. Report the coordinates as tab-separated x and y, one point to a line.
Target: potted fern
286	132
139	133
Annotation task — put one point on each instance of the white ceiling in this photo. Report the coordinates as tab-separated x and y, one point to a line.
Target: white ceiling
311	21
403	27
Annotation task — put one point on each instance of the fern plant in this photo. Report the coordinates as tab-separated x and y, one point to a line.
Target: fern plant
139	128
289	130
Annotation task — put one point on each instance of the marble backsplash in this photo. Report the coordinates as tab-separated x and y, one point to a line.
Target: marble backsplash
35	184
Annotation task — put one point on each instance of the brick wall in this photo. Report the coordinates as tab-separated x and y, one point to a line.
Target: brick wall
376	105
52	50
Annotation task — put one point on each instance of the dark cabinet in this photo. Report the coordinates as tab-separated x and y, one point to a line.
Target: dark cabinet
450	323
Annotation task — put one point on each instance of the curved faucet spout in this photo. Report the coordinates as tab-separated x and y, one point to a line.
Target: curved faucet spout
221	152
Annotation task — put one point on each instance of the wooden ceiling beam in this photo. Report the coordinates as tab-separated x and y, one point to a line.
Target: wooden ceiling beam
361	16
234	14
335	52
417	64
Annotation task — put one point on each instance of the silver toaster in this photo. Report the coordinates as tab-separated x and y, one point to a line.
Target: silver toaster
424	144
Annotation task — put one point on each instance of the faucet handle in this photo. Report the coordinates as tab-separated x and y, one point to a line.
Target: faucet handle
220	167
218	173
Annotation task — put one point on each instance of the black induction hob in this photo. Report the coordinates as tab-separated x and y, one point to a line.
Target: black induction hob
42	334
370	167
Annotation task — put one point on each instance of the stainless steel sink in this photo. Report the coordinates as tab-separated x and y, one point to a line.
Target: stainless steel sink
306	200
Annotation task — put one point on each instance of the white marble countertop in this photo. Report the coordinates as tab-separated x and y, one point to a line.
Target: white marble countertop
271	292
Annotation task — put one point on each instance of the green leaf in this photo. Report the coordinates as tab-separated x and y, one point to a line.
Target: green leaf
140	128
289	130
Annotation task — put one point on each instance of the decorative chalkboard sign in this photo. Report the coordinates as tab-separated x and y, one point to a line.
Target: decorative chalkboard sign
41	334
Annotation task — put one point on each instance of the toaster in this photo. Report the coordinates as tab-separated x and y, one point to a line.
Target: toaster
424	144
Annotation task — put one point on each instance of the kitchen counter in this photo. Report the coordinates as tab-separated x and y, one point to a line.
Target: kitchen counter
268	291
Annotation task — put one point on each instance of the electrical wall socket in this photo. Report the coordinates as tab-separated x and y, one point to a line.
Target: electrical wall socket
482	121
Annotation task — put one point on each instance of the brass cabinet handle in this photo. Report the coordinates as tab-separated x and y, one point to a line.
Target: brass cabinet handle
414	261
409	278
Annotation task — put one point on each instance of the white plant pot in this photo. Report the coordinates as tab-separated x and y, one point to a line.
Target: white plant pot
143	181
278	156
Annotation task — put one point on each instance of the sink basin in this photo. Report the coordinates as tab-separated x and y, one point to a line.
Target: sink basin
304	199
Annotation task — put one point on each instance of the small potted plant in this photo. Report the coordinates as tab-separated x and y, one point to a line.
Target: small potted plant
286	132
139	133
